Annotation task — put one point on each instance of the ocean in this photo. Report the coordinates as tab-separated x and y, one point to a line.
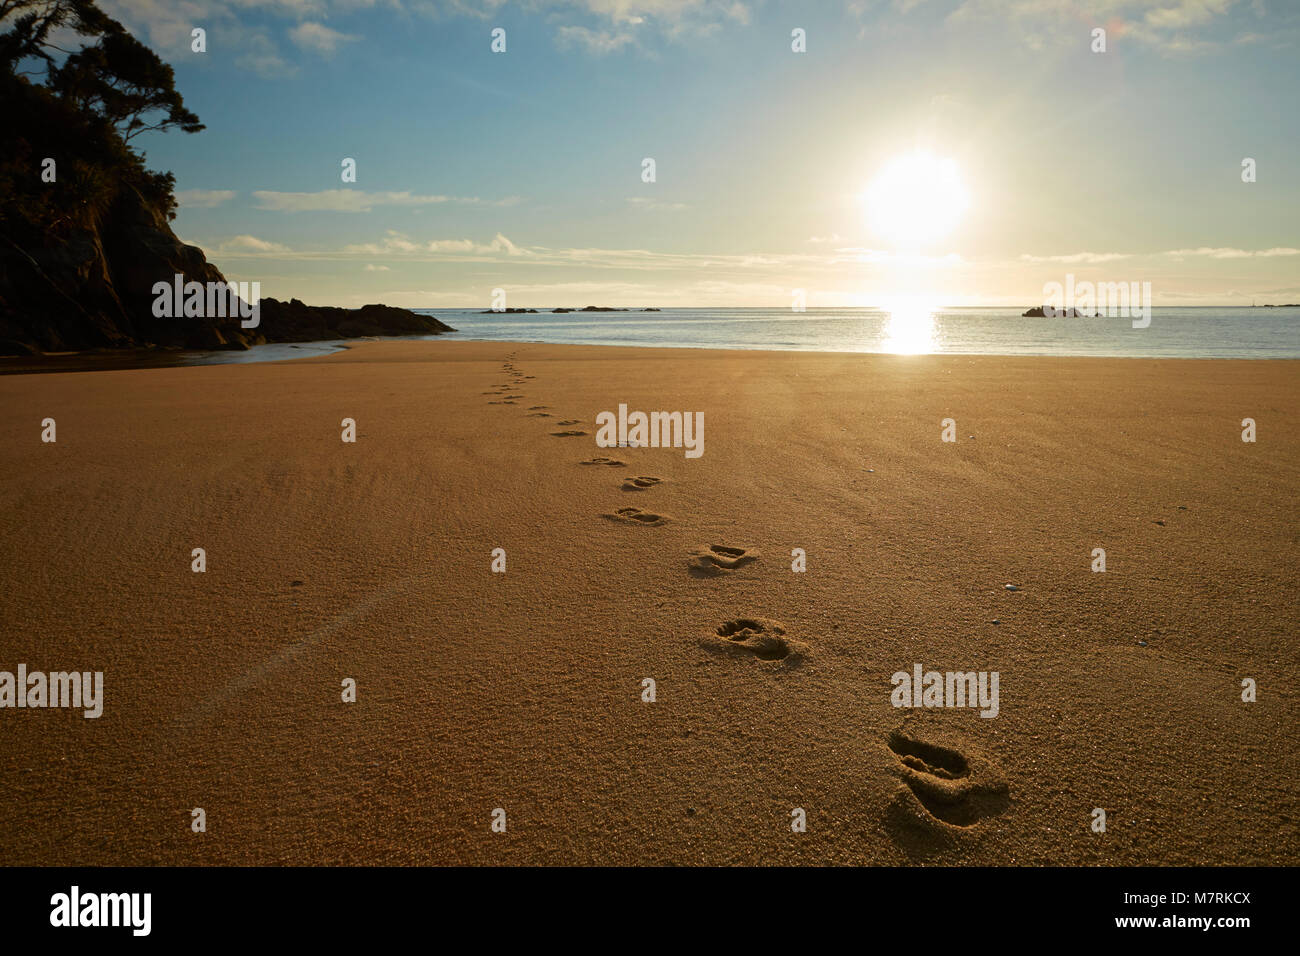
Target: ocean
1173	333
1251	333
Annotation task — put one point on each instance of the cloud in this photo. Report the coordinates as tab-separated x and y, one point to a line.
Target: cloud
396	243
357	200
262	56
165	26
1222	253
319	38
1207	252
1076	257
204	198
251	246
643	202
617	24
371	267
1170	26
599	42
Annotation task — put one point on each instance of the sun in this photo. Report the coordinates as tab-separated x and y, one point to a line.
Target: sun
917	198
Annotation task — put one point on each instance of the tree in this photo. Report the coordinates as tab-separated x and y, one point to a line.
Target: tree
116	77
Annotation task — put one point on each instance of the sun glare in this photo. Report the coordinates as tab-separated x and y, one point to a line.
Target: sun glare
909	330
916	198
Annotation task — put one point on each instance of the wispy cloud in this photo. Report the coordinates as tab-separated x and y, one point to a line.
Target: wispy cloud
204	198
658	205
397	243
262	56
1077	257
250	245
1222	253
599	42
319	38
1172	27
357	200
1206	252
618	24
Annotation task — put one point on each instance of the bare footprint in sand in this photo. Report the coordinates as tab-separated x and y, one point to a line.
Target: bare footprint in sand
569	421
539	414
946	788
637	516
534	408
611	462
567	434
716	559
640	483
761	638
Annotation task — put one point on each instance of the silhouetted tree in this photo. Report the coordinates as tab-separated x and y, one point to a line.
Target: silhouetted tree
113	75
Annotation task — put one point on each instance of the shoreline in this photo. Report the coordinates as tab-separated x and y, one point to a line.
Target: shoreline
133	359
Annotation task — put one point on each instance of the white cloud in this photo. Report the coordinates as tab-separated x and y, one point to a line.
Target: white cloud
250	245
1076	257
357	200
204	198
1207	252
262	56
598	42
1169	26
1228	253
319	38
399	243
371	267
644	202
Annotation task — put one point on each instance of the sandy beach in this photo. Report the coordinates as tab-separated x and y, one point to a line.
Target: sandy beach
523	690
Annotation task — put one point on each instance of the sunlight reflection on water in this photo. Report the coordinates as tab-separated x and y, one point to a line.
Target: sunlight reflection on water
909	330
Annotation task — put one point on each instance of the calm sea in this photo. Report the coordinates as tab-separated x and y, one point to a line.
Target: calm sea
1173	333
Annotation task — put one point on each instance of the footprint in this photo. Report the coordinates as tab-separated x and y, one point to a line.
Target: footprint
534	408
514	396
611	462
567	434
760	638
640	483
715	559
539	415
951	788
637	516
570	421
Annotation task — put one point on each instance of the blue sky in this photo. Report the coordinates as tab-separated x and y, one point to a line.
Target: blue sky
522	170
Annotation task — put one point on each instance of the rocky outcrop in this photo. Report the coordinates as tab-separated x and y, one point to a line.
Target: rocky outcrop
293	321
91	286
1046	311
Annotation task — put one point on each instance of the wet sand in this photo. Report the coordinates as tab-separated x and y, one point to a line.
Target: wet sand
523	691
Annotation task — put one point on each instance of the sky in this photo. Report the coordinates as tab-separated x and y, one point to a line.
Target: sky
522	170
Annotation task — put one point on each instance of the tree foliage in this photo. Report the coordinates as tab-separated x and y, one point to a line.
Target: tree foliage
75	86
113	75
